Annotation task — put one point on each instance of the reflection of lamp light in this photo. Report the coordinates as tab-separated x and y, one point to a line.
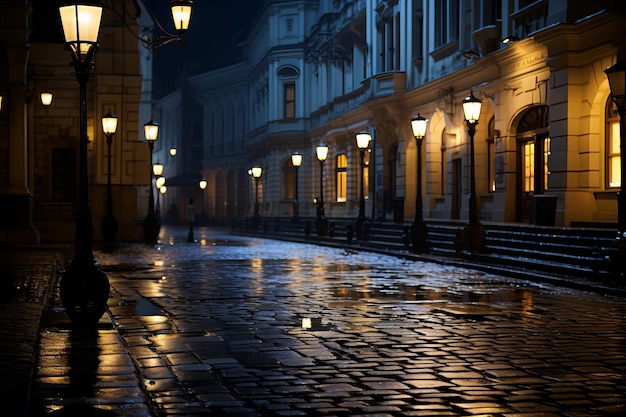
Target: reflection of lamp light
46	98
419	231
474	232
306	323
0	102
84	288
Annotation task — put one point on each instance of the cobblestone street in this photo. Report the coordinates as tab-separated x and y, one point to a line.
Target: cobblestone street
245	326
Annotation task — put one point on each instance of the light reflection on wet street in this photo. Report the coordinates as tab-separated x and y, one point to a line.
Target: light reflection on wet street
248	326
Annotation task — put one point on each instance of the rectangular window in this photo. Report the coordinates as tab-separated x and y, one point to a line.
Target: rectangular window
447	22
64	175
528	157
290	100
341	178
491	161
613	156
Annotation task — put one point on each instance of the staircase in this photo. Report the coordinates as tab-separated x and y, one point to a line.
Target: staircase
577	253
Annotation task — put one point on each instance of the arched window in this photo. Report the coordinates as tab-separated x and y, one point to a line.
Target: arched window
491	157
612	147
341	178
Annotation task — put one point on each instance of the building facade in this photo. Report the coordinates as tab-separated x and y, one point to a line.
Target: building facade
320	71
39	174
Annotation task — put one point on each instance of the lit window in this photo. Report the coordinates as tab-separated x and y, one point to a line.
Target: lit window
613	161
341	178
290	100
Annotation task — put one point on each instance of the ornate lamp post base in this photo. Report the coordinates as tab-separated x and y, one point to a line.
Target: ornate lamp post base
84	291
474	238
151	227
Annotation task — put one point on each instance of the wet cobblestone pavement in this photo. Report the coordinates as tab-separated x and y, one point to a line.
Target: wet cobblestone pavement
236	326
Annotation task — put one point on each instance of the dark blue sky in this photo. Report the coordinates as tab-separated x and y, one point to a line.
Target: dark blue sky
216	27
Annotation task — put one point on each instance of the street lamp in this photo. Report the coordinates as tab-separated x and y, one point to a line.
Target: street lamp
84	288
474	231
151	224
362	142
296	161
181	16
256	171
108	226
159	183
46	98
202	184
173	151
616	75
321	223
419	231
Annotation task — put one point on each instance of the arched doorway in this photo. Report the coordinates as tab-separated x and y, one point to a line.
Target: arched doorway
533	149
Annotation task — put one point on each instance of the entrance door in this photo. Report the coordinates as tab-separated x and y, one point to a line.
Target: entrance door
532	162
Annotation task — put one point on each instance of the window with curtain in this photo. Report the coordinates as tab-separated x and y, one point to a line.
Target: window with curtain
287	76
612	148
289	179
341	178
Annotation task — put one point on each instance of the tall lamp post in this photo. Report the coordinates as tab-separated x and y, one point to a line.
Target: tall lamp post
257	171
84	288
616	75
202	184
321	223
151	224
419	231
362	142
296	161
159	184
474	230
108	226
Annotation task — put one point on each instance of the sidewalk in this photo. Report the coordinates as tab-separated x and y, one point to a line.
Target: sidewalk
39	346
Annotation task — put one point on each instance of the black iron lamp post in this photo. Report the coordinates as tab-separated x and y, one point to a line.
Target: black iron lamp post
181	16
84	288
256	171
202	184
296	161
159	184
362	142
474	230
321	223
419	231
108	226
616	75
151	224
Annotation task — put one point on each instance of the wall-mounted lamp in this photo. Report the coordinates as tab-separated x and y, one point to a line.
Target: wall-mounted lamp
46	98
510	39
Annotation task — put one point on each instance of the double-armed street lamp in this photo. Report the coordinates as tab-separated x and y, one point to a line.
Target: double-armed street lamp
151	224
84	288
256	172
296	161
419	231
474	230
108	226
616	75
362	142
321	223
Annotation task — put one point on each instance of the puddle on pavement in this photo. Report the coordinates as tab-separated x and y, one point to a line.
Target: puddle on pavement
142	307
